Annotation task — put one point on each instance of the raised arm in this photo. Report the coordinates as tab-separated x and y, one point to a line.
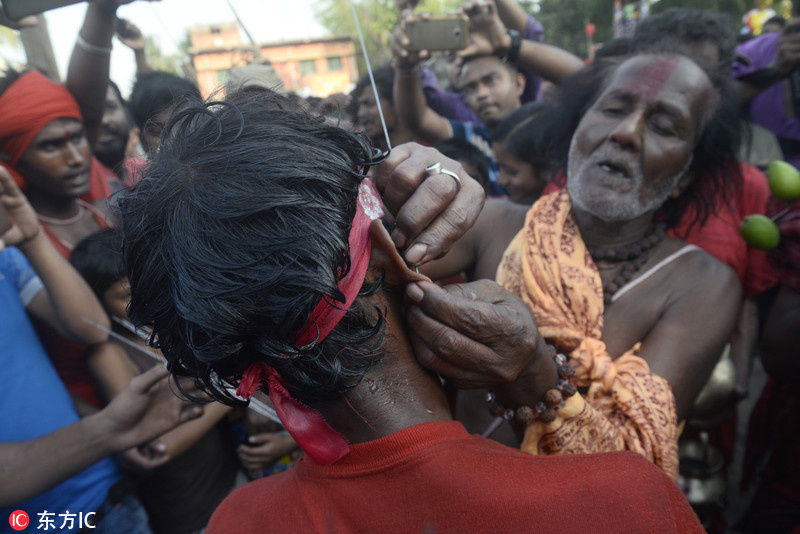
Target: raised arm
87	74
409	98
488	35
131	36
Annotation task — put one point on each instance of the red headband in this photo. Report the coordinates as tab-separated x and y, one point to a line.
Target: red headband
27	106
308	428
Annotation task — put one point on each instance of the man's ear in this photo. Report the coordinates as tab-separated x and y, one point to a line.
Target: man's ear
386	259
519	79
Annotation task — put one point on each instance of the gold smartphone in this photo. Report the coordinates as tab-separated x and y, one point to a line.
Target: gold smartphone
442	33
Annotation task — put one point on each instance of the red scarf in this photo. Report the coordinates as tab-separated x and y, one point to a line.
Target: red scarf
308	428
27	106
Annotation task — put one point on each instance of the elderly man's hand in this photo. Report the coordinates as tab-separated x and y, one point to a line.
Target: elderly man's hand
476	335
431	212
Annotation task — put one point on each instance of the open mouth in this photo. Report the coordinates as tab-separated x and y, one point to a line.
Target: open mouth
615	169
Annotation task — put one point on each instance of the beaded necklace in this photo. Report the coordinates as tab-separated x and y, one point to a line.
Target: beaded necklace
633	254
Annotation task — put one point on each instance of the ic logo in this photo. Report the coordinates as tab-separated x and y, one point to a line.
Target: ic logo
18	520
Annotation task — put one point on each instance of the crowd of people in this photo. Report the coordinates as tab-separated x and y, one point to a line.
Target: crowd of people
483	303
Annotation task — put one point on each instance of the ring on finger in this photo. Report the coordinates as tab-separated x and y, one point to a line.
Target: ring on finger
436	168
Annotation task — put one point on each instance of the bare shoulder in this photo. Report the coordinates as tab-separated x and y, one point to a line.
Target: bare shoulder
698	274
501	215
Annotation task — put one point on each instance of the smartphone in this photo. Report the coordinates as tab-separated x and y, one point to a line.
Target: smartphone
443	33
122	28
17	9
5	223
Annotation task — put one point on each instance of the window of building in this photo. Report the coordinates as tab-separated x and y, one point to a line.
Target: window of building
334	63
216	29
308	66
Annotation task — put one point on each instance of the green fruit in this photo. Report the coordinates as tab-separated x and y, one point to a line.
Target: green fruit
760	232
784	180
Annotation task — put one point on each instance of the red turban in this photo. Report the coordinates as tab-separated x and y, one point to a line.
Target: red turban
27	106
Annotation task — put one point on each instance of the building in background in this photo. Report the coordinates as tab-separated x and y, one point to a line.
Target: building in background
310	67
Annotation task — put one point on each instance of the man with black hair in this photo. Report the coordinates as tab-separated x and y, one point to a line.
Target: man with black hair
112	141
489	79
152	100
296	289
365	114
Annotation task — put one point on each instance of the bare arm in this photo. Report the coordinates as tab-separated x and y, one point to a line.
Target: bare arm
131	36
66	298
687	341
409	99
146	409
512	14
488	35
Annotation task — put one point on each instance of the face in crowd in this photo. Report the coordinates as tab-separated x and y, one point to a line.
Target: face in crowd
632	149
58	160
492	88
368	118
112	139
523	181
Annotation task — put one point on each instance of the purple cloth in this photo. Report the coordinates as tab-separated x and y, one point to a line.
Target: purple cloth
770	109
452	105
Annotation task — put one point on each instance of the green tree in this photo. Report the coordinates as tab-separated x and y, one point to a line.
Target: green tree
377	18
565	20
157	60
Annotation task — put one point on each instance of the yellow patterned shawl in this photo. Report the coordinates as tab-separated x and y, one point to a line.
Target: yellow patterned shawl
625	406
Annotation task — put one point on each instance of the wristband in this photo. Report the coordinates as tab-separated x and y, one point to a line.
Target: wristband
516	44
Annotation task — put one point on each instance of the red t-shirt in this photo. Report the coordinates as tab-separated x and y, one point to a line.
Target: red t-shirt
435	477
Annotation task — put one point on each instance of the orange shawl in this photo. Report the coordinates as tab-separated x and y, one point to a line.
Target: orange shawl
623	405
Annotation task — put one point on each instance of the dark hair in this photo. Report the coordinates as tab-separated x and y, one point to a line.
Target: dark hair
679	27
155	91
524	136
114	87
462	150
621	46
236	232
98	259
715	164
777	19
384	82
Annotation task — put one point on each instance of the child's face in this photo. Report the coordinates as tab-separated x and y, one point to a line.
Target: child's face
116	299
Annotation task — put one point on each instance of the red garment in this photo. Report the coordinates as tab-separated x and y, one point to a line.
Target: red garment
69	357
720	236
102	182
435	477
27	106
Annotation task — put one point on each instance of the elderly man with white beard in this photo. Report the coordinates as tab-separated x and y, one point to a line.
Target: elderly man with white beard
641	317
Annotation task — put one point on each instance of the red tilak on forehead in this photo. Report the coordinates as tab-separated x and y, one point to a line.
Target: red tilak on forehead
651	78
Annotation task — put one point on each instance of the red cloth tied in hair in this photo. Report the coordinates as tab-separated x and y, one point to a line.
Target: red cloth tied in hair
27	106
307	426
